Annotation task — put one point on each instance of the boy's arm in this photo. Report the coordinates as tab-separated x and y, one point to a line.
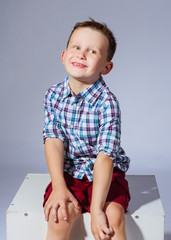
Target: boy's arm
102	175
60	194
54	156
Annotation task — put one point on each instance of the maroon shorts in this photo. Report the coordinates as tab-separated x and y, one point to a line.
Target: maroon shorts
82	190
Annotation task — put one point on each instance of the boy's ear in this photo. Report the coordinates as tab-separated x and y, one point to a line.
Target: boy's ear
108	67
63	56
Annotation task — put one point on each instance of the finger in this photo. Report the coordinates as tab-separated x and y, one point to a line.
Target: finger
64	211
96	237
75	203
107	230
111	230
54	212
47	210
102	235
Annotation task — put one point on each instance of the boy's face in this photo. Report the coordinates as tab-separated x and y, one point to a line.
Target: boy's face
86	56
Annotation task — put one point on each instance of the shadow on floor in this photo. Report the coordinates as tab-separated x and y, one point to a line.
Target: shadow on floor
143	190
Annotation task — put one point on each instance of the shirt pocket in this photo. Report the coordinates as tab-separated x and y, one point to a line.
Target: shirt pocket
88	129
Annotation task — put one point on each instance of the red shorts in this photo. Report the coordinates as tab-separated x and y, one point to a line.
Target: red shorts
82	190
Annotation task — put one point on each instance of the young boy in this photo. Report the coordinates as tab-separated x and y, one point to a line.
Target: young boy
82	140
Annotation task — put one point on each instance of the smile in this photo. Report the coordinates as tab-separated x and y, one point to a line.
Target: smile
80	65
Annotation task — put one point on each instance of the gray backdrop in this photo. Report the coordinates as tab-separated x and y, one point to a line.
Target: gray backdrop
32	36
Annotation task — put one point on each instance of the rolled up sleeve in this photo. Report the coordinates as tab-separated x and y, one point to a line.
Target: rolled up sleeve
109	131
52	128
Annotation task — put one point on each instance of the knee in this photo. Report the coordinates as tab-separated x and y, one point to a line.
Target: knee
116	217
117	223
63	226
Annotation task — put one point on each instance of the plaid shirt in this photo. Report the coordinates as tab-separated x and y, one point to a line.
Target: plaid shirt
87	123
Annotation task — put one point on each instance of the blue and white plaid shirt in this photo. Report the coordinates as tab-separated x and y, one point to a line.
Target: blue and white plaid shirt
87	123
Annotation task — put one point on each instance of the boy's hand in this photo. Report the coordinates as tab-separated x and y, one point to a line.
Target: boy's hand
59	199
99	226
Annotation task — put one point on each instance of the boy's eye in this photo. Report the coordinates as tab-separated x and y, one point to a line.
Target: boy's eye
76	47
92	51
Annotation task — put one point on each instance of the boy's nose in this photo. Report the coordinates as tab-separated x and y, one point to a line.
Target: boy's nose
81	54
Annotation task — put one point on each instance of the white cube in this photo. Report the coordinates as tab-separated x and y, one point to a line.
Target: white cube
144	219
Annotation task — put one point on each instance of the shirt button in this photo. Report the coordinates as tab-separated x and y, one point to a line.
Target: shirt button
71	126
74	105
78	145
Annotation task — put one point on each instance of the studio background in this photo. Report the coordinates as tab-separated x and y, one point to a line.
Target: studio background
32	37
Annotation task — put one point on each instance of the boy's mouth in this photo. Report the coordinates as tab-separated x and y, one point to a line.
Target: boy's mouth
80	65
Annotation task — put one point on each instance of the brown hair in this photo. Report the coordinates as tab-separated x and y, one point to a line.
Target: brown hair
103	29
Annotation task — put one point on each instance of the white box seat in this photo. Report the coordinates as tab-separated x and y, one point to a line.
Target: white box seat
144	219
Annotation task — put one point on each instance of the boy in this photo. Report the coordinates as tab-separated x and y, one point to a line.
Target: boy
82	140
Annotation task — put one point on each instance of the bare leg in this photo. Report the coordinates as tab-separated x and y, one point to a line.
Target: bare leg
116	220
62	229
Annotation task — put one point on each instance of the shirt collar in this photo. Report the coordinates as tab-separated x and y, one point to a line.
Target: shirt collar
89	94
67	91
